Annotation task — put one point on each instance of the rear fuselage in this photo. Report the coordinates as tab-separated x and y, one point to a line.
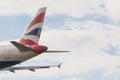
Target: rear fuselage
10	55
28	45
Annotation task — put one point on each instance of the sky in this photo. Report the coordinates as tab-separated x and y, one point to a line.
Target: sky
88	28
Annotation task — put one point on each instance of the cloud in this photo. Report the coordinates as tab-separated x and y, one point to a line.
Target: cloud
71	8
113	9
77	9
112	74
86	42
16	7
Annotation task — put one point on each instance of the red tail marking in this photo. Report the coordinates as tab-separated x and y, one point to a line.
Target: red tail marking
38	19
27	42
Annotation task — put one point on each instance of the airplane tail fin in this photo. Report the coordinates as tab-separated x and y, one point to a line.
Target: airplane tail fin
32	33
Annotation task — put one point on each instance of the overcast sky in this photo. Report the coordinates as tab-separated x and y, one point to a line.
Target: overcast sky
88	28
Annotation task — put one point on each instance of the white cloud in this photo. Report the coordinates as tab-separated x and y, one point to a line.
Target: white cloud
112	74
113	8
74	8
86	45
19	6
72	79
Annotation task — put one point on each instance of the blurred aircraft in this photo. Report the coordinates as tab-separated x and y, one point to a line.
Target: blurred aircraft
26	48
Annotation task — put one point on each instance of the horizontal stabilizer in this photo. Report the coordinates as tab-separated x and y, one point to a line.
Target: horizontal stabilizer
31	68
21	47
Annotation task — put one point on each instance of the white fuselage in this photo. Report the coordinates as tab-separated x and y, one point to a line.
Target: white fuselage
10	55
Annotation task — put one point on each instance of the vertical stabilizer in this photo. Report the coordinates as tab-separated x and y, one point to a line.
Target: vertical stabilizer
32	33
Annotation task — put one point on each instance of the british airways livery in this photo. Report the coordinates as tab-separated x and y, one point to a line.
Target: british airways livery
27	47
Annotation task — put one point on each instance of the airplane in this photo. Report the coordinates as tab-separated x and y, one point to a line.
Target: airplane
26	48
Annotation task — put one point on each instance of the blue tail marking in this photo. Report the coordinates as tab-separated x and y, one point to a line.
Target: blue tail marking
35	32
